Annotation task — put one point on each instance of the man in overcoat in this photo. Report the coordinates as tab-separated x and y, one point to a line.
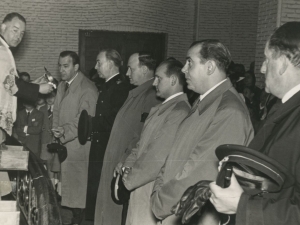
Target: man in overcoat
125	132
218	117
278	138
112	95
74	94
149	155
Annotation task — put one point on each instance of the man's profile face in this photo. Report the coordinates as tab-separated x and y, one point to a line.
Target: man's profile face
194	70
162	82
13	31
102	66
270	69
66	68
134	71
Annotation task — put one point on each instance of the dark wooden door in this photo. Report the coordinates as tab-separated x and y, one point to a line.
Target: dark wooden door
126	43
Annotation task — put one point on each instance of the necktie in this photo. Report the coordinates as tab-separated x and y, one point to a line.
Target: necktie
195	106
49	113
67	86
28	114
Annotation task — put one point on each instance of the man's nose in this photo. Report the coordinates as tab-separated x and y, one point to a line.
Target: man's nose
128	72
263	68
184	69
155	82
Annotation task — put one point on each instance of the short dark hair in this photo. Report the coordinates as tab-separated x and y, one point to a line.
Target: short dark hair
286	41
113	55
73	55
212	49
174	67
9	17
147	59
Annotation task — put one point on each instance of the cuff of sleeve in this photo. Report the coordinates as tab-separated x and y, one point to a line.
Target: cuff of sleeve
25	129
249	210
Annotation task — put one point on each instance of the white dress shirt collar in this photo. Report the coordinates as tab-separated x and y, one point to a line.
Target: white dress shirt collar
29	111
172	96
210	90
111	77
290	93
69	82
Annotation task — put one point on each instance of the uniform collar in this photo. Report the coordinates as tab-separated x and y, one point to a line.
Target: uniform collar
112	81
111	77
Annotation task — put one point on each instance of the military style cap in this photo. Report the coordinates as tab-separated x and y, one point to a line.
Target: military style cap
254	171
119	192
84	127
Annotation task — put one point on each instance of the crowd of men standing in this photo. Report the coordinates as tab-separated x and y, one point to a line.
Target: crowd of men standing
160	145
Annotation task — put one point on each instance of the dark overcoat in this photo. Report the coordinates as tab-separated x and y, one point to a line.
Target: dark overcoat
112	96
279	139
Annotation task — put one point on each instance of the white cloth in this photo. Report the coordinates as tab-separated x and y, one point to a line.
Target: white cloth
8	103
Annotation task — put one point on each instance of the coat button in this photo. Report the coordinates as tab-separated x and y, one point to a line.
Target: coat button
99	114
101	101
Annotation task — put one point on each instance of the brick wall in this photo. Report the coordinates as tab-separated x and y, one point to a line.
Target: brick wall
233	22
267	19
52	25
290	11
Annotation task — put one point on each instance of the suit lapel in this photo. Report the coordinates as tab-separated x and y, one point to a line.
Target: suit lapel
280	114
203	105
73	86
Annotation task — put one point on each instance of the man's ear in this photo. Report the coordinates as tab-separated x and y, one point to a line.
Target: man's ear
144	69
173	80
211	66
3	27
76	67
283	64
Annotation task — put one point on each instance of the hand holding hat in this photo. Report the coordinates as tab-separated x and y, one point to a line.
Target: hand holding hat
226	200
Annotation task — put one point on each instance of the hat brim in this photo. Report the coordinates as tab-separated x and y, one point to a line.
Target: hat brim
84	127
258	160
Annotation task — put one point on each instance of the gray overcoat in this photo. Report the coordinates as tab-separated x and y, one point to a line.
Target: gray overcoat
82	94
125	133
